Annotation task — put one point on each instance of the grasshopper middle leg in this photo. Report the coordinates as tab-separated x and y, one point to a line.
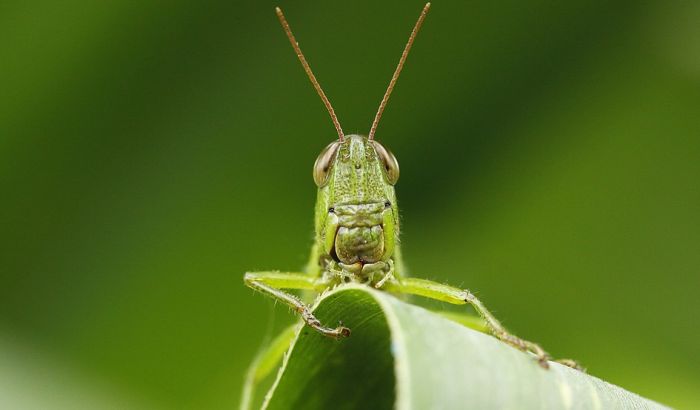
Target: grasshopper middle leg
450	294
272	283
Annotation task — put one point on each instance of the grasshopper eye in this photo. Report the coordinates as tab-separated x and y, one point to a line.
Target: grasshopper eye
323	163
391	165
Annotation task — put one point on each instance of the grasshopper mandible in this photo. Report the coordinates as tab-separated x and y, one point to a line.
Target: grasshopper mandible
357	225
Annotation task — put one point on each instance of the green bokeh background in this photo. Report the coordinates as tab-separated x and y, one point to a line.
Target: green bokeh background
152	152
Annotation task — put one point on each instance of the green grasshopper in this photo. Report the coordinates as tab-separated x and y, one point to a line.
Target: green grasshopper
357	226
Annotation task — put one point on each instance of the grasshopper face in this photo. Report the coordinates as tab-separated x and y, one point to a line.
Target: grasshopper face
356	211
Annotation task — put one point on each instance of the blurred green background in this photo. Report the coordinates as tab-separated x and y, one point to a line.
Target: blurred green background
152	152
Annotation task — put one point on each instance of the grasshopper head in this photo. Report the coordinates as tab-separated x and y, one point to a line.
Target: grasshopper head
356	206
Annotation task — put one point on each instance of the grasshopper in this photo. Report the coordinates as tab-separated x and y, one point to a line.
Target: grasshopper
357	226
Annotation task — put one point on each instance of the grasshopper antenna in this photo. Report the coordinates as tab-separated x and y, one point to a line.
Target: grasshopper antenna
312	77
399	67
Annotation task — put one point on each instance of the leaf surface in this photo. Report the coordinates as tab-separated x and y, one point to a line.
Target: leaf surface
405	357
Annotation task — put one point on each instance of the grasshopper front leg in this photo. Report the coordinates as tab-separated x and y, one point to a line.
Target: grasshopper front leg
450	294
272	283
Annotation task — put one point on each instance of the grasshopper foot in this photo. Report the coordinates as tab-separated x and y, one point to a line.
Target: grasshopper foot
571	363
526	346
343	331
337	333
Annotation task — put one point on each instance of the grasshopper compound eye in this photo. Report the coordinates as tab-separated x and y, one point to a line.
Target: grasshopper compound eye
323	163
391	165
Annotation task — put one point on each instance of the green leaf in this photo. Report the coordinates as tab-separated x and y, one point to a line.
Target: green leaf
405	357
